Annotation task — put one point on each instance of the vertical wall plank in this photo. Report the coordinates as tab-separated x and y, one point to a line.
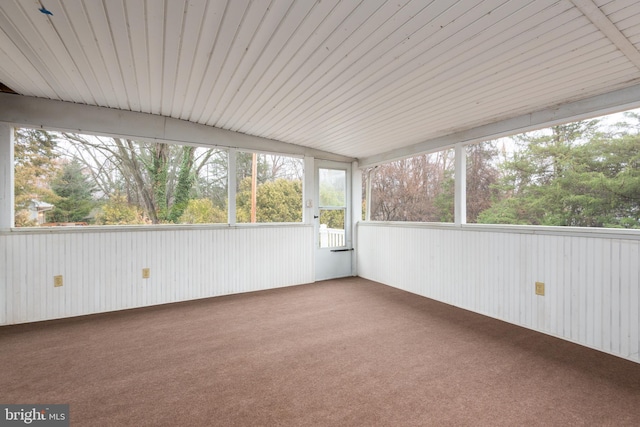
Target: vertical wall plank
102	270
592	294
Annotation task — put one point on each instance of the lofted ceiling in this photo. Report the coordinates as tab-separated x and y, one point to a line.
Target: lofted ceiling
356	78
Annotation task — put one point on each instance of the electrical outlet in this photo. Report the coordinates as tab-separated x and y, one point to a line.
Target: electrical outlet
146	273
57	281
540	288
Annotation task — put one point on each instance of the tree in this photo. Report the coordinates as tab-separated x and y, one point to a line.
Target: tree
482	176
74	190
419	188
158	177
277	201
34	157
574	175
202	211
117	211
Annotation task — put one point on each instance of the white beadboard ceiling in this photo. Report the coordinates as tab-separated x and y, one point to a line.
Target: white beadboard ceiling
356	78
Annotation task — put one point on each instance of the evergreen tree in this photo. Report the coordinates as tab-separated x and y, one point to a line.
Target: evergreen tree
74	190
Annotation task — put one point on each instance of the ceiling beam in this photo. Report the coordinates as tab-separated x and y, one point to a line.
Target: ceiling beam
608	28
70	117
612	102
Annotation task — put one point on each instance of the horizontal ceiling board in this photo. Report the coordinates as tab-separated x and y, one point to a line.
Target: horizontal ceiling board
350	92
255	56
207	36
73	30
315	28
357	78
18	73
420	83
481	95
105	54
447	21
426	87
229	26
611	102
399	133
134	13
344	25
298	13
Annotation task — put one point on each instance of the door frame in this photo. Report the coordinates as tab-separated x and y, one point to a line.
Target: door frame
333	262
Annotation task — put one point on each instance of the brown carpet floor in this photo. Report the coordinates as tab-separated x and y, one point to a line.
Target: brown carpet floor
344	352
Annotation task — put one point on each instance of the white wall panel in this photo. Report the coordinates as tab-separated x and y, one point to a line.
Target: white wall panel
102	269
592	282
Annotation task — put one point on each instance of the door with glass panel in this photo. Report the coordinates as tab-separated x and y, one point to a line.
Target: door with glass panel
333	220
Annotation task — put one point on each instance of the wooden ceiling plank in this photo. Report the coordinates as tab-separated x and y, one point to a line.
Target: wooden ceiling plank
606	103
231	21
18	68
266	24
435	51
154	24
136	20
189	44
600	20
101	31
317	64
441	89
19	26
269	60
321	22
379	38
240	46
205	48
173	30
453	109
120	33
516	105
88	54
514	45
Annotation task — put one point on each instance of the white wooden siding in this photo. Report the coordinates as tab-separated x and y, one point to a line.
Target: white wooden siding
592	283
102	270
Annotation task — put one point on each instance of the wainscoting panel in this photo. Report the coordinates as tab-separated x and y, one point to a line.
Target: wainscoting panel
103	270
591	281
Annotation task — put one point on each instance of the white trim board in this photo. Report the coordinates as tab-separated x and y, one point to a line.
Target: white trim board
67	116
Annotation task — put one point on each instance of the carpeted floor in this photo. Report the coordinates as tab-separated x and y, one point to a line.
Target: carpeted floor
345	352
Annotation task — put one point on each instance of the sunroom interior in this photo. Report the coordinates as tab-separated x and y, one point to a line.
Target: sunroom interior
344	86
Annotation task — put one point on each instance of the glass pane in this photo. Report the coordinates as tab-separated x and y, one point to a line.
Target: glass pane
269	188
332	228
419	188
72	179
333	187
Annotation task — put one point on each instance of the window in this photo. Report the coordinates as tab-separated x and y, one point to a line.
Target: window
581	174
419	188
332	207
68	179
269	188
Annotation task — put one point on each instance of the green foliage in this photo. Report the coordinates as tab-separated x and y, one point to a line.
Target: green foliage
184	184
202	211
332	218
34	167
444	201
74	190
118	212
574	176
276	201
